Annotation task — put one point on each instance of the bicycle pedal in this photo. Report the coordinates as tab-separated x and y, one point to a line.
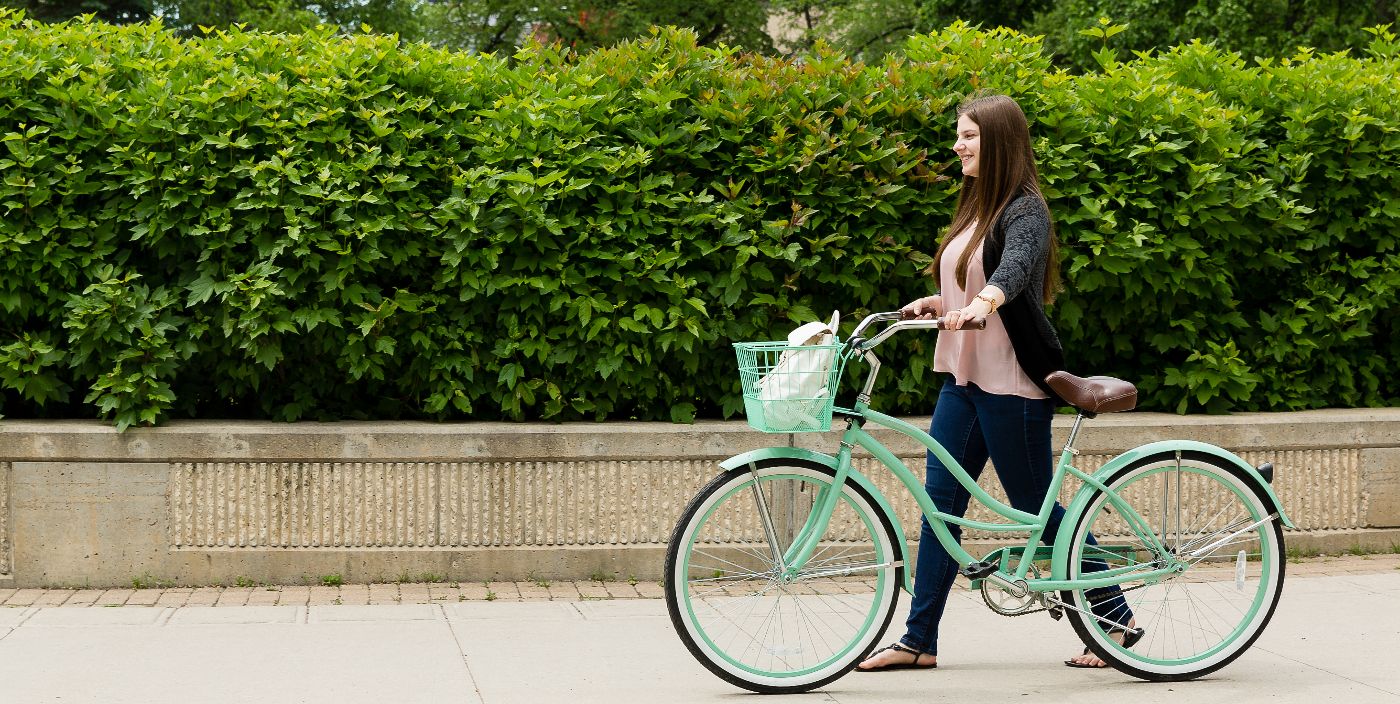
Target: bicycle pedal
1056	612
978	570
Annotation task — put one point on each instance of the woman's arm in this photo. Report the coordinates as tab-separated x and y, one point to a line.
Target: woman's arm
1026	232
1026	243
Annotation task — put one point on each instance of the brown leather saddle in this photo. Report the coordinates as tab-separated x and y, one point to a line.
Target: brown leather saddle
1094	395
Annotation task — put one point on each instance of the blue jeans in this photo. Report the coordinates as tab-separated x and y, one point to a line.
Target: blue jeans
973	424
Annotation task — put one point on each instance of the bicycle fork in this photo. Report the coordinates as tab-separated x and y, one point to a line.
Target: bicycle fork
788	562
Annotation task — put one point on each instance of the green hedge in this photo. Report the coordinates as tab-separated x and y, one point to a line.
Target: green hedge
308	226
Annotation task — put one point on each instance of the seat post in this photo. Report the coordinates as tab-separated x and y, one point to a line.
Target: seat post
1074	433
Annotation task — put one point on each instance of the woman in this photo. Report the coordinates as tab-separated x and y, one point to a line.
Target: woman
995	401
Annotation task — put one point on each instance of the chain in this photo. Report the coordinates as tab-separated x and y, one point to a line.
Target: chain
1092	602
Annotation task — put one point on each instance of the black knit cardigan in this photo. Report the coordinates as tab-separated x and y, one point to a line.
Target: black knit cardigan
1015	251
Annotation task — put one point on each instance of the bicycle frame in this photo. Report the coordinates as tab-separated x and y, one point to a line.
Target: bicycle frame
804	545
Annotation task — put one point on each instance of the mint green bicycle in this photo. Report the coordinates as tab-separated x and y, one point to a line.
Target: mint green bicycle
785	569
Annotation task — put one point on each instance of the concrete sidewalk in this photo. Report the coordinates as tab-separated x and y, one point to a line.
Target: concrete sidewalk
1335	637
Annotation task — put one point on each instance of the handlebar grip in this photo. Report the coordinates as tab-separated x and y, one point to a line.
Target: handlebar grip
980	324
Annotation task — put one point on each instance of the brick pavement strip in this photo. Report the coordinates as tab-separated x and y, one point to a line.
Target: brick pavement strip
414	594
144	597
264	596
505	591
446	592
24	597
592	590
650	590
322	596
354	593
174	597
294	596
234	596
114	597
563	591
204	596
383	593
83	597
532	591
474	590
424	593
622	590
54	597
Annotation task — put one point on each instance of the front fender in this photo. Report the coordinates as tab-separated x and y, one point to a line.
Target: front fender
1060	561
798	453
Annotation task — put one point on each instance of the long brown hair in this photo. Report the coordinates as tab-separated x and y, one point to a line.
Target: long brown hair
1006	164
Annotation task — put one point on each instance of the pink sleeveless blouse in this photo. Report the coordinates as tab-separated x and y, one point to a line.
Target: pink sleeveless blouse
981	357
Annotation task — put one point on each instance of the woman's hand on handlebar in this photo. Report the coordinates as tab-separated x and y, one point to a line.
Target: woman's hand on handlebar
971	316
925	308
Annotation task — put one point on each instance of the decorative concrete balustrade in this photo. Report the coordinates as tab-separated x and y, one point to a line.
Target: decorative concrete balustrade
212	502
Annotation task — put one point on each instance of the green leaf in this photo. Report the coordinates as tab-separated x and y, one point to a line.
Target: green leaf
683	413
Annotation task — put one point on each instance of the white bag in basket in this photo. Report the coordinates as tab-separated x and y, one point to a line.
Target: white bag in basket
795	390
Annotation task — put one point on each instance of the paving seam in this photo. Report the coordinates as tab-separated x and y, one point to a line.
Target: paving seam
1323	669
463	653
21	622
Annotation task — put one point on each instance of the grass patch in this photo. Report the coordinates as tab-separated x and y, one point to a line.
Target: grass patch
429	577
331	580
244	582
146	581
1356	550
1297	554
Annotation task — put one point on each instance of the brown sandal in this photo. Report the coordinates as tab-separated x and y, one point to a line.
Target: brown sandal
901	648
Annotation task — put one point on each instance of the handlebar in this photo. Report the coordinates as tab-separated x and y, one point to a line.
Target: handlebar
859	344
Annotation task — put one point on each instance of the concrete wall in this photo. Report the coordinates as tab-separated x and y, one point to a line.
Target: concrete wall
210	502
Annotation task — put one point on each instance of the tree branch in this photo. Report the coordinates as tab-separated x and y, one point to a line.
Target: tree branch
711	35
883	35
500	34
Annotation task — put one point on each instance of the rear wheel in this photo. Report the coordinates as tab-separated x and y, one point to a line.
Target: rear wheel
1208	516
732	609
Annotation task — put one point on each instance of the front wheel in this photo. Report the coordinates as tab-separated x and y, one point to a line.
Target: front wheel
725	593
1207	517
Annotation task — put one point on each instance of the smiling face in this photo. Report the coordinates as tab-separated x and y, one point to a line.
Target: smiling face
969	144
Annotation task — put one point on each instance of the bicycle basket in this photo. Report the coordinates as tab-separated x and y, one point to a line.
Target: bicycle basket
789	388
